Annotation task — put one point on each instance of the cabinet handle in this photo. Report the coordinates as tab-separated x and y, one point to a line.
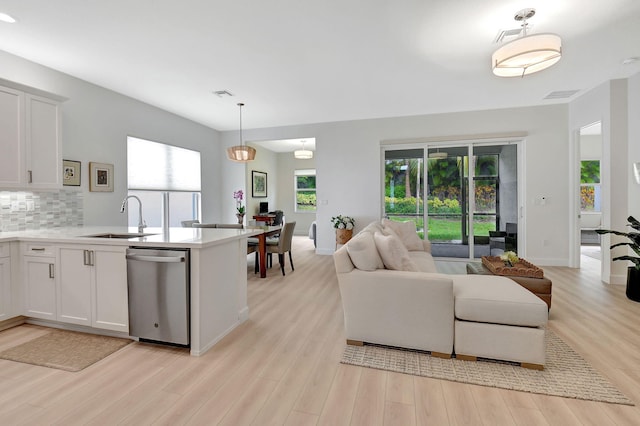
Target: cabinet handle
30	176
37	249
51	271
85	259
92	258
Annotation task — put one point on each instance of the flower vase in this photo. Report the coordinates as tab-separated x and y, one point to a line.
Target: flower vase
240	217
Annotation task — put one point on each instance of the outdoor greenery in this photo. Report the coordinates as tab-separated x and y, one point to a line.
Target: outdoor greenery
306	193
404	182
589	178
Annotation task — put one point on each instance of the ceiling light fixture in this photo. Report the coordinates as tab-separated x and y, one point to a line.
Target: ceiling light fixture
241	153
7	18
527	54
303	154
438	155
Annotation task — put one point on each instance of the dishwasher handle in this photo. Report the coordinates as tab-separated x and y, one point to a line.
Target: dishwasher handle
156	259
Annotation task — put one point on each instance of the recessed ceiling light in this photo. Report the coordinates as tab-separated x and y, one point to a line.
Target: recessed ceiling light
7	18
631	60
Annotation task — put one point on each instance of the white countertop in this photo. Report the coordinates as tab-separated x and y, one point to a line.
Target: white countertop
176	237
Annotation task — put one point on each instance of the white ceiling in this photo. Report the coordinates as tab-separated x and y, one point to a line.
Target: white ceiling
299	61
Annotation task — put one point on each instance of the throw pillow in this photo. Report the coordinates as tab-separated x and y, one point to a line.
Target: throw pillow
393	253
407	233
363	252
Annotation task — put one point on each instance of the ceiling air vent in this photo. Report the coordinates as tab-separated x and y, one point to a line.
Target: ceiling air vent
222	93
507	35
561	94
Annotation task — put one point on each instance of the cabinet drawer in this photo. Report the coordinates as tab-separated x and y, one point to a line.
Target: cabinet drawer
38	249
5	249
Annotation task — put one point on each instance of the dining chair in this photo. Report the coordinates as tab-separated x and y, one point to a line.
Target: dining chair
282	244
188	223
253	248
229	225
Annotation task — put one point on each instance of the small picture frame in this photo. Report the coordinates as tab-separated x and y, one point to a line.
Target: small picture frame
100	177
71	171
258	184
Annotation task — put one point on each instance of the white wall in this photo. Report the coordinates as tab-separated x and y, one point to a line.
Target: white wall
607	103
95	126
348	167
286	191
634	142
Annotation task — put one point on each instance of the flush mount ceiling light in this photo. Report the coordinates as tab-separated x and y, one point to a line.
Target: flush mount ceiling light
303	154
7	18
241	153
438	155
527	54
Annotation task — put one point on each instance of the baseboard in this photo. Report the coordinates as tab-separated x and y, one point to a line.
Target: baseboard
75	327
12	322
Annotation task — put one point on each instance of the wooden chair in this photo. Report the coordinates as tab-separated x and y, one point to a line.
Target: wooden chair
282	244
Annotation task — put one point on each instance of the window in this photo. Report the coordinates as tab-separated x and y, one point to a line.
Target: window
305	183
590	190
167	180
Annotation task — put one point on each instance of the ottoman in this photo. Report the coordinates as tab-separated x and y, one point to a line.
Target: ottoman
541	287
498	319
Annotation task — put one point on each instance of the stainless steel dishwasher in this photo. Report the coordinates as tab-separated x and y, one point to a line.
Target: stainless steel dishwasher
158	281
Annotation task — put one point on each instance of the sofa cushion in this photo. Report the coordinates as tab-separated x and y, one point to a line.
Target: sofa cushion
393	253
423	261
373	227
407	233
497	300
363	252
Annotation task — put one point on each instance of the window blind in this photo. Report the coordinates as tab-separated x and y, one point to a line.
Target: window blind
160	167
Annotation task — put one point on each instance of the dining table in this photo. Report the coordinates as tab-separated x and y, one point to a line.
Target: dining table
267	231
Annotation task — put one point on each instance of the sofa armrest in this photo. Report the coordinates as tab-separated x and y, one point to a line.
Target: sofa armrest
427	244
398	308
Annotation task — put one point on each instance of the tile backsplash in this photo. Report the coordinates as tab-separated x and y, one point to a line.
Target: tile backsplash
26	210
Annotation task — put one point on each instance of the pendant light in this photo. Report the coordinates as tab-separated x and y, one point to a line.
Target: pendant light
527	54
241	153
303	154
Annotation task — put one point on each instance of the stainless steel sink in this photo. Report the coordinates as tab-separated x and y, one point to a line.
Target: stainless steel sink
122	236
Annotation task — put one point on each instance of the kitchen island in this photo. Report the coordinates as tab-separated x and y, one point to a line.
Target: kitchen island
218	280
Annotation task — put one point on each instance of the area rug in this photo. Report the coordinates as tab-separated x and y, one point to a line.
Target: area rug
65	350
565	374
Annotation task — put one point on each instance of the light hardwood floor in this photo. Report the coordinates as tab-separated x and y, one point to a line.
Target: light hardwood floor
282	367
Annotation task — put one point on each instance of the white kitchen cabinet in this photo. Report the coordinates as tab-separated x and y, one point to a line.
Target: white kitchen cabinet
30	135
74	286
92	286
11	137
6	307
40	286
43	139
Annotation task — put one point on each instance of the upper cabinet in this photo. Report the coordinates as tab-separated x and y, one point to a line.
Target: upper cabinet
31	138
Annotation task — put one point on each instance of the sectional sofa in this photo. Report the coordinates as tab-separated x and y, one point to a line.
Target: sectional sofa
392	294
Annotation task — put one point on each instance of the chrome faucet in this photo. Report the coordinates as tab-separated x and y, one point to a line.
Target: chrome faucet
141	223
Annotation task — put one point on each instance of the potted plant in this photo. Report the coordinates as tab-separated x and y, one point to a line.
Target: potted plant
238	196
344	228
633	272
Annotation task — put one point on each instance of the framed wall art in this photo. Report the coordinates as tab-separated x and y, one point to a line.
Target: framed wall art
100	177
71	173
258	184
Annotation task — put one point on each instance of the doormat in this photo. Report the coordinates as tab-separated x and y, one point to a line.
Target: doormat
65	350
565	372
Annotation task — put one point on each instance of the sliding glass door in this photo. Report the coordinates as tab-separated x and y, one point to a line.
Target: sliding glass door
404	186
470	191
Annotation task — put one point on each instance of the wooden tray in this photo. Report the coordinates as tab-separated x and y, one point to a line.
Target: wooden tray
521	269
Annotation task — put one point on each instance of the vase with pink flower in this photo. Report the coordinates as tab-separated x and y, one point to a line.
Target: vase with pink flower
238	196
